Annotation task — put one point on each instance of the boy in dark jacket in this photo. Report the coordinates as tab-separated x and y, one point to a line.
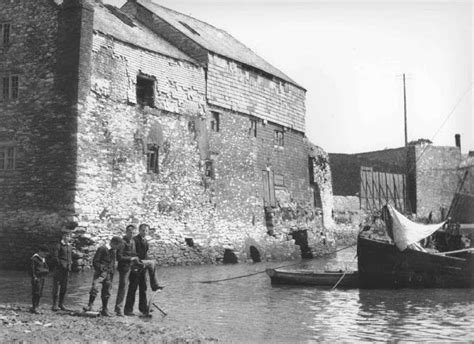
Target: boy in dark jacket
104	266
39	269
62	261
126	256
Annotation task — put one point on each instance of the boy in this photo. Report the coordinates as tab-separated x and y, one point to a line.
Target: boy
104	264
126	256
138	275
39	269
62	260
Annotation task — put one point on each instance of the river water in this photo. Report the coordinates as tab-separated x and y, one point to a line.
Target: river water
252	310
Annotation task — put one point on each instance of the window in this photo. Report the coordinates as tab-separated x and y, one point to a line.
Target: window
279	180
209	169
4	34
311	170
187	26
253	127
152	159
145	91
7	158
9	85
278	138
215	121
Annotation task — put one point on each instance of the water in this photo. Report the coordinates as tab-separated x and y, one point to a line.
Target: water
251	310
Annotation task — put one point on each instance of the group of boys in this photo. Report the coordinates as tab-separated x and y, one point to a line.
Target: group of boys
131	253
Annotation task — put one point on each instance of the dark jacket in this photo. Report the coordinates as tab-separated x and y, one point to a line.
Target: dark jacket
141	246
39	268
125	254
62	256
104	260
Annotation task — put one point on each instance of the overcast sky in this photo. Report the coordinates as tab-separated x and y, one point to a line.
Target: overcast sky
350	57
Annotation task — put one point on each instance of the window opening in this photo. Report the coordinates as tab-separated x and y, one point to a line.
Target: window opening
7	158
152	158
278	137
5	34
253	127
9	85
187	26
145	91
209	169
215	122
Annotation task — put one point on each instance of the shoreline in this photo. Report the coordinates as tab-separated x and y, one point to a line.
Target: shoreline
21	326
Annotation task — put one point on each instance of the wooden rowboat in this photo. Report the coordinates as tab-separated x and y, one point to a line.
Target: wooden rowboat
349	279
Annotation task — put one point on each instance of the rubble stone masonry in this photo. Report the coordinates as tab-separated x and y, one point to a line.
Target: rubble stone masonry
436	179
37	192
233	167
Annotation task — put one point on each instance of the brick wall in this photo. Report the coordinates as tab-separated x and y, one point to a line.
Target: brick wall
37	195
235	87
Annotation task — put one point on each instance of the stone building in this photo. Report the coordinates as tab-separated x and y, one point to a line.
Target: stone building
142	114
432	176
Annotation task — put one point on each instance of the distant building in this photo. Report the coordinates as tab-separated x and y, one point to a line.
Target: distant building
110	117
427	175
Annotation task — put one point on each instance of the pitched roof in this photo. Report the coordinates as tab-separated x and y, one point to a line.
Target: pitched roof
109	20
213	39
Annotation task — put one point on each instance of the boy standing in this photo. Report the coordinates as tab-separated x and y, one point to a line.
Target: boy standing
138	276
62	260
39	269
126	256
104	264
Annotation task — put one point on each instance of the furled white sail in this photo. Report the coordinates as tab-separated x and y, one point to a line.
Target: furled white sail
406	232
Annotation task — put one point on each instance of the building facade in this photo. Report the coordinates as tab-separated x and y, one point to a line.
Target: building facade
145	115
431	177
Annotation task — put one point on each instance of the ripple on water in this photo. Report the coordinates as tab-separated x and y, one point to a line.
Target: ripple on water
251	310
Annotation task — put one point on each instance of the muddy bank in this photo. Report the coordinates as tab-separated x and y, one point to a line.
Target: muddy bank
20	326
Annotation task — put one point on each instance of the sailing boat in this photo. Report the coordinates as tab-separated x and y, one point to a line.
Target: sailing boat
402	263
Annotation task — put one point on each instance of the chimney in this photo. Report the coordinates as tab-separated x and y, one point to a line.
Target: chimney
457	138
76	21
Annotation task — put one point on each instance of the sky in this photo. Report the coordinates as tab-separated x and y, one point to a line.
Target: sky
351	55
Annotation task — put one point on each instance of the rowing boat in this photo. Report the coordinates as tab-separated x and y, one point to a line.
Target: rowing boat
348	279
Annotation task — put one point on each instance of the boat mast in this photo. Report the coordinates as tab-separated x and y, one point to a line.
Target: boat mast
405	110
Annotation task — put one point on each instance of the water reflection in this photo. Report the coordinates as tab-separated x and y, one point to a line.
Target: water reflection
251	310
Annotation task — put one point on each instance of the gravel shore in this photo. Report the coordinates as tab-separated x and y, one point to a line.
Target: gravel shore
20	326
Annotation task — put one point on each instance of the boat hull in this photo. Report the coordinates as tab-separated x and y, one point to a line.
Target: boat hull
311	278
382	265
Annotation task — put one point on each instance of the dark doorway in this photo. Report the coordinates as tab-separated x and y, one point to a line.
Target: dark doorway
230	257
254	254
301	239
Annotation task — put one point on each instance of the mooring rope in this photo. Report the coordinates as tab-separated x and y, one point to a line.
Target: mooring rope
278	267
342	277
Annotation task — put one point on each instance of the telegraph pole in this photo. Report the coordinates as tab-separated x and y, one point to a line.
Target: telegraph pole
405	110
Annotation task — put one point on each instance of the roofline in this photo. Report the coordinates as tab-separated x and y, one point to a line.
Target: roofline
138	2
194	62
253	67
393	149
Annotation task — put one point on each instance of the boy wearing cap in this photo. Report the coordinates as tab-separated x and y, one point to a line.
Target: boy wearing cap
39	269
62	261
104	265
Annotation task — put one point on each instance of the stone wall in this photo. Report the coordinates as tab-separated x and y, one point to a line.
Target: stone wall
37	195
431	170
181	204
436	179
82	142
